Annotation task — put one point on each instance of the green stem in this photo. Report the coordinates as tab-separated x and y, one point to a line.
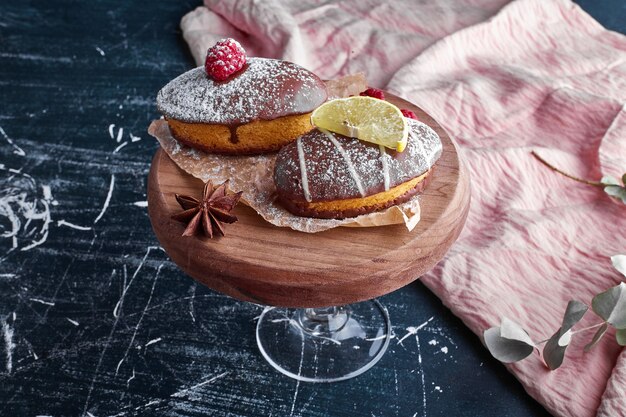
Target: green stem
595	326
584	329
553	168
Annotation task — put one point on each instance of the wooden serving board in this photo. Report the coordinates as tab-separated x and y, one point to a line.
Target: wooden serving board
270	265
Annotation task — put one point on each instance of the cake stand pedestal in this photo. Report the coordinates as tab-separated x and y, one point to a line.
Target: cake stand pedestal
322	273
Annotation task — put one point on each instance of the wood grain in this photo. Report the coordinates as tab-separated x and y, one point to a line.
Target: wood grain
262	263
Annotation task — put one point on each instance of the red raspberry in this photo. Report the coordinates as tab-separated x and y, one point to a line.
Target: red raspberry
224	59
409	114
373	92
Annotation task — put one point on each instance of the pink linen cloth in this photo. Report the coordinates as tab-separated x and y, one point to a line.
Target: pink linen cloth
504	79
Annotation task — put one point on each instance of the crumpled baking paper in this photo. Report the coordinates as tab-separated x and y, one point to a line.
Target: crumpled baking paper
254	176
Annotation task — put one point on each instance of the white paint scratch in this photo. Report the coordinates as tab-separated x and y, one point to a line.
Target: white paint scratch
183	392
421	370
191	301
118	305
116	150
7	333
295	394
45	216
395	377
111	127
413	330
444	349
130	379
74	322
34	57
16	205
100	51
107	200
286	319
146	405
372	339
116	315
440	332
140	203
72	225
16	149
134	138
120	134
38	300
95	374
153	341
156	277
47	195
306	405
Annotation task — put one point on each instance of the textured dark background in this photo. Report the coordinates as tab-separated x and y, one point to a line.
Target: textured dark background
94	318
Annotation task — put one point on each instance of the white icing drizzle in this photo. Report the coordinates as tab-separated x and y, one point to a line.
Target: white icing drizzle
383	160
346	157
303	175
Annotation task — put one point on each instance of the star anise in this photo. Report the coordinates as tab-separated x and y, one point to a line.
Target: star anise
207	215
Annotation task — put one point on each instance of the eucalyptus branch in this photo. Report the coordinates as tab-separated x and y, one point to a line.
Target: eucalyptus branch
509	342
553	168
584	329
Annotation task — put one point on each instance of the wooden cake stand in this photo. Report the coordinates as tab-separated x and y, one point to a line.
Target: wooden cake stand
276	266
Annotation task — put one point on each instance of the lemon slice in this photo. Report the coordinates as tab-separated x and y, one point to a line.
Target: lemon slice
366	118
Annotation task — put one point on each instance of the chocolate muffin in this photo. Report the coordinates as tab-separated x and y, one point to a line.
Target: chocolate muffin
327	175
261	108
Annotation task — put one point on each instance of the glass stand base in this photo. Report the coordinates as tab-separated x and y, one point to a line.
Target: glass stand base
324	344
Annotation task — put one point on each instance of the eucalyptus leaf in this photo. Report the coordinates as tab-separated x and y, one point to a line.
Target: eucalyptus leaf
553	353
504	349
513	331
621	337
619	262
609	180
573	314
617	192
554	350
597	337
611	305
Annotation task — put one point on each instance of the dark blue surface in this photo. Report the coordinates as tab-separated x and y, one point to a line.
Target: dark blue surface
610	13
99	321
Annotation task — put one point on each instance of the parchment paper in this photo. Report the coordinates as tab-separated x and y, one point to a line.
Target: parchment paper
254	176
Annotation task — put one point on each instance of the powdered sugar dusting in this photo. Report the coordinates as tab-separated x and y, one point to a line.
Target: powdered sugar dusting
384	161
264	89
423	149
